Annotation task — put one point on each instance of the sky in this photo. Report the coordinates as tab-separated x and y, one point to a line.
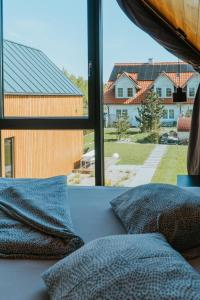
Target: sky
59	29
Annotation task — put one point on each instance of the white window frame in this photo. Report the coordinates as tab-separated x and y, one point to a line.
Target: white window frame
171	110
166	111
160	92
124	113
128	90
120	89
168	89
189	90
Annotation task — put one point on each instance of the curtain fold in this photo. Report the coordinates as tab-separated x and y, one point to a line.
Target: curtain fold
158	30
193	158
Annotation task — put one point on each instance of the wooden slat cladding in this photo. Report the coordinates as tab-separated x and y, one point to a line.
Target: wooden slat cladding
43	106
43	153
182	14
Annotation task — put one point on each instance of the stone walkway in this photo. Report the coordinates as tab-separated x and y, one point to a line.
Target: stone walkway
147	170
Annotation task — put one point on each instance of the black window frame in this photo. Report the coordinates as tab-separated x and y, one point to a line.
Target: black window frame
94	120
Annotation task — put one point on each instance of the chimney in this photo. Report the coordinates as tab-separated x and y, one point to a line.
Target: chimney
150	60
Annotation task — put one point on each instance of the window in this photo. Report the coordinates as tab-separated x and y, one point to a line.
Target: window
125	113
120	92
159	92
45	117
9	157
165	114
168	92
118	113
130	92
191	92
171	113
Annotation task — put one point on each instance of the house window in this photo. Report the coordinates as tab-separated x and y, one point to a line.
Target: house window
165	114
118	113
159	92
168	92
171	113
191	92
120	92
125	113
9	157
130	92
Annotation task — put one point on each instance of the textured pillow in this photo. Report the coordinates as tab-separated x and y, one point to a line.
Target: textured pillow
163	208
141	266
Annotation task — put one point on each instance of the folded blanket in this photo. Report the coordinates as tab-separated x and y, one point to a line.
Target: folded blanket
35	219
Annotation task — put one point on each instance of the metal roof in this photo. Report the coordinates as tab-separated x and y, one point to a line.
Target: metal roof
147	71
28	71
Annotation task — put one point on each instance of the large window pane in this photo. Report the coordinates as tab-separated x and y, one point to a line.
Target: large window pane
45	58
46	153
146	133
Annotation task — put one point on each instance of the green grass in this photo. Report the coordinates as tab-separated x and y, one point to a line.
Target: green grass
131	154
172	164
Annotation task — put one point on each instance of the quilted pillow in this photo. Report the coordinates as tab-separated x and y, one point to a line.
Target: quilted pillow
163	208
141	266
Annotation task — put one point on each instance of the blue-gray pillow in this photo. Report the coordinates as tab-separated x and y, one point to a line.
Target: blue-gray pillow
139	267
163	208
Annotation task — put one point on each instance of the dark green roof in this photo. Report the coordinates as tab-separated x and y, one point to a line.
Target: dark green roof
28	71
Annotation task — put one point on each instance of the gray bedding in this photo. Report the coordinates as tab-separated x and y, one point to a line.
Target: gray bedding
35	219
92	217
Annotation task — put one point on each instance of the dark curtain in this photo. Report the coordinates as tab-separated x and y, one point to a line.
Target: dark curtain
144	18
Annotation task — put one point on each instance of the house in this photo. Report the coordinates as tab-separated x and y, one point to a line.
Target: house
183	128
129	84
35	87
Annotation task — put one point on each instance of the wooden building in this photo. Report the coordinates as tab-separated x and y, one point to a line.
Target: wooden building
35	87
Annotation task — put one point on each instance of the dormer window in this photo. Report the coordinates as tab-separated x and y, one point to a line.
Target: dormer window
130	92
159	92
168	92
191	92
120	92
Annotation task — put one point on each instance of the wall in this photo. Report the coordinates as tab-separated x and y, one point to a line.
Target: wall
193	82
163	82
125	83
43	153
133	111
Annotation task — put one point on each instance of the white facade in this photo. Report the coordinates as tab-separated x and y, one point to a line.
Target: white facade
124	83
172	111
163	83
193	84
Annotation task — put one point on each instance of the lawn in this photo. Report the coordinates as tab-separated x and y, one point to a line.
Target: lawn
133	154
172	164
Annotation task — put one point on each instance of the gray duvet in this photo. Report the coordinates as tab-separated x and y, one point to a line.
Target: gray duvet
35	219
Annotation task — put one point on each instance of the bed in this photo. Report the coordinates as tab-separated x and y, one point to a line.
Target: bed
92	218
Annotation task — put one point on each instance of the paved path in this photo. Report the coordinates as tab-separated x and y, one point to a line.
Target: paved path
147	170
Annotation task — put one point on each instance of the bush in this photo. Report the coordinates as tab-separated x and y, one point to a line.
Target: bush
152	138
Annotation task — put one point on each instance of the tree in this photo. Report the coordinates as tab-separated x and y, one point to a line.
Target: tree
150	113
122	125
82	84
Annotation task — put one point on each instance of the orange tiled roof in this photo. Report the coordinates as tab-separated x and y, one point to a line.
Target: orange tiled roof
144	86
180	81
184	124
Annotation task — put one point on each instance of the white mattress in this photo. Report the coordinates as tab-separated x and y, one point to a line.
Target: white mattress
92	218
